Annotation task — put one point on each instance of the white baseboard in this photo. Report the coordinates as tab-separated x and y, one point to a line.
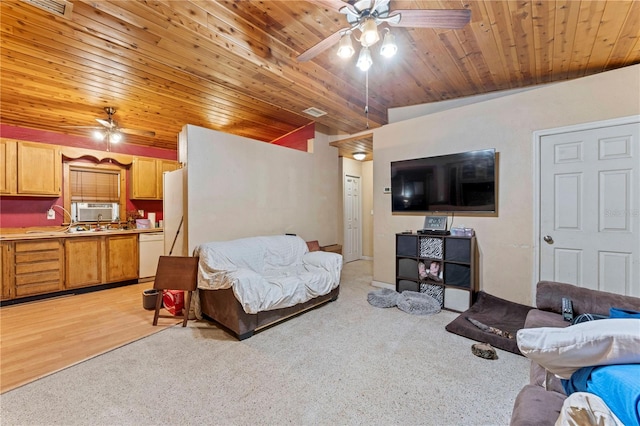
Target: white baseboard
383	285
366	258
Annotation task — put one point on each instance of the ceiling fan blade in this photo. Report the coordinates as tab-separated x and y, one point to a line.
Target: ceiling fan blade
106	123
147	133
426	18
322	46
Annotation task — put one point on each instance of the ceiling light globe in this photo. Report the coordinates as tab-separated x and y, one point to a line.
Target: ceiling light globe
115	137
389	46
370	34
359	156
98	135
364	60
346	50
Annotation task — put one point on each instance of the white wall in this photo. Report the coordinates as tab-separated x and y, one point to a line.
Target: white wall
239	187
505	242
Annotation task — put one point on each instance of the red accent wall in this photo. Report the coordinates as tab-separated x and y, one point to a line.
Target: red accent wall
23	212
298	138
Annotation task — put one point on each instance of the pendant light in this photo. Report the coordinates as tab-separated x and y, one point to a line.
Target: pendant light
364	60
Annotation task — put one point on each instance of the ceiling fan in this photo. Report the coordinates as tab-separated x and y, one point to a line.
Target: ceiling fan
110	131
366	15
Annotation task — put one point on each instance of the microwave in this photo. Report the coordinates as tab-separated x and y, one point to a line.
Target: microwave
95	212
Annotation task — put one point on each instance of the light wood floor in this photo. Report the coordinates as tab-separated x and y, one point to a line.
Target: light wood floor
39	338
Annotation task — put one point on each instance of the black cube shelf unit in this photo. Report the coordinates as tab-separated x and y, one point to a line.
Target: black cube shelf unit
456	284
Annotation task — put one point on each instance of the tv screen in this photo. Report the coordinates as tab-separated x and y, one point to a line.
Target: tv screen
463	182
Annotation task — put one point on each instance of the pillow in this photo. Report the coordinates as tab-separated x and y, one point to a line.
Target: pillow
623	313
562	351
313	245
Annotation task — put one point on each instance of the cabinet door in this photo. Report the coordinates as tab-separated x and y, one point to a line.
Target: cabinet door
83	261
7	277
144	178
121	257
164	166
9	162
39	169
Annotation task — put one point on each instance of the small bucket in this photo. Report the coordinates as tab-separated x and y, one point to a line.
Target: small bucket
149	298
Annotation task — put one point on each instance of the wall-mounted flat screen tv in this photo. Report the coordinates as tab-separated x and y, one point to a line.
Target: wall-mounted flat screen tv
463	182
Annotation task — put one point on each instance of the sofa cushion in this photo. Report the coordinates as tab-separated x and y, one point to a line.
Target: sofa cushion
564	350
537	318
549	296
535	406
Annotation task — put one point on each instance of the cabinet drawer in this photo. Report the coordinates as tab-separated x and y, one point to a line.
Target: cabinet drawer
26	246
30	268
37	288
38	278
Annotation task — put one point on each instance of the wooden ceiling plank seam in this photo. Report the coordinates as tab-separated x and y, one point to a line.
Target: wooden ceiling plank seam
588	23
521	22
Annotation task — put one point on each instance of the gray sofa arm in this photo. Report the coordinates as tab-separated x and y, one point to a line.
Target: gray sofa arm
549	296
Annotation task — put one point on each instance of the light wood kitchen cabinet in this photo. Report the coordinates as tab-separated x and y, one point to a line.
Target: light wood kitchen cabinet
6	271
32	169
38	266
121	255
9	162
146	177
165	166
83	261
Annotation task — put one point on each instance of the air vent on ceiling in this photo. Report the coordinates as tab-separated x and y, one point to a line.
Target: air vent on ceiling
59	7
315	112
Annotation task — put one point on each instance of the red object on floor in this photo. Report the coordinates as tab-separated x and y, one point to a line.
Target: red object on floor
173	301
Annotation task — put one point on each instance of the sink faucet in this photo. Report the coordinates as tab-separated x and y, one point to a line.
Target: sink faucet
99	219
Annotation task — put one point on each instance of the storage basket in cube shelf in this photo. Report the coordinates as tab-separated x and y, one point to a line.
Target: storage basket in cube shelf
431	247
433	290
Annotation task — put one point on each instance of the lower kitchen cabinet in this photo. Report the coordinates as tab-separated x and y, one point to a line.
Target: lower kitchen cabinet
83	261
38	267
121	253
42	266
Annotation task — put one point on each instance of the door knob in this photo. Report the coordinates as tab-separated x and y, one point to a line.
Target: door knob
548	239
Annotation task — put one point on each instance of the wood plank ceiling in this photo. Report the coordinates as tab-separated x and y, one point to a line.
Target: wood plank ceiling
231	65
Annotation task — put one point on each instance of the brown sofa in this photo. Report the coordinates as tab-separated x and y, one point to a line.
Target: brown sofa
539	403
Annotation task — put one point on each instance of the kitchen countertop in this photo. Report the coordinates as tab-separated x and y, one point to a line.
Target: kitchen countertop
35	234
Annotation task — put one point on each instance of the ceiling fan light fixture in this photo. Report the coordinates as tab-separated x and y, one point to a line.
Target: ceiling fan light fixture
389	46
115	137
345	49
364	60
98	135
370	34
359	156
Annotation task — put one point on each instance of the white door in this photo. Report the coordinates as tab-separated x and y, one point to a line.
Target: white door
351	248
590	208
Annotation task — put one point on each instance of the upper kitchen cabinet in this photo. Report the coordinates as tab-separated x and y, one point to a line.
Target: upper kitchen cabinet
146	177
31	169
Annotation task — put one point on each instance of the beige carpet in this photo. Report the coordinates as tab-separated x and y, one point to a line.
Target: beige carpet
344	363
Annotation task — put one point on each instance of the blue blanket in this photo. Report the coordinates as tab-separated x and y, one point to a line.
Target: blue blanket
617	385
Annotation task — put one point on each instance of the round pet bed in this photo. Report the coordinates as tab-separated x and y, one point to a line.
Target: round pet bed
383	298
415	303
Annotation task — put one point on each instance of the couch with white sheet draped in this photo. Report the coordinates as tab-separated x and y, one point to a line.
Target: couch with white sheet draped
251	283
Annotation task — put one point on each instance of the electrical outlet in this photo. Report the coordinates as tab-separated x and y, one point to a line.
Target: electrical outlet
51	214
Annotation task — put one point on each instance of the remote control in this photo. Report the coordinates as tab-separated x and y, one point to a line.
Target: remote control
567	309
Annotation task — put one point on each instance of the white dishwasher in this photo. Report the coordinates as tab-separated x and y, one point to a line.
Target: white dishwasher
150	247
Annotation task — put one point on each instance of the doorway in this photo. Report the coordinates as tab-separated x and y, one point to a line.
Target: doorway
587	205
352	247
